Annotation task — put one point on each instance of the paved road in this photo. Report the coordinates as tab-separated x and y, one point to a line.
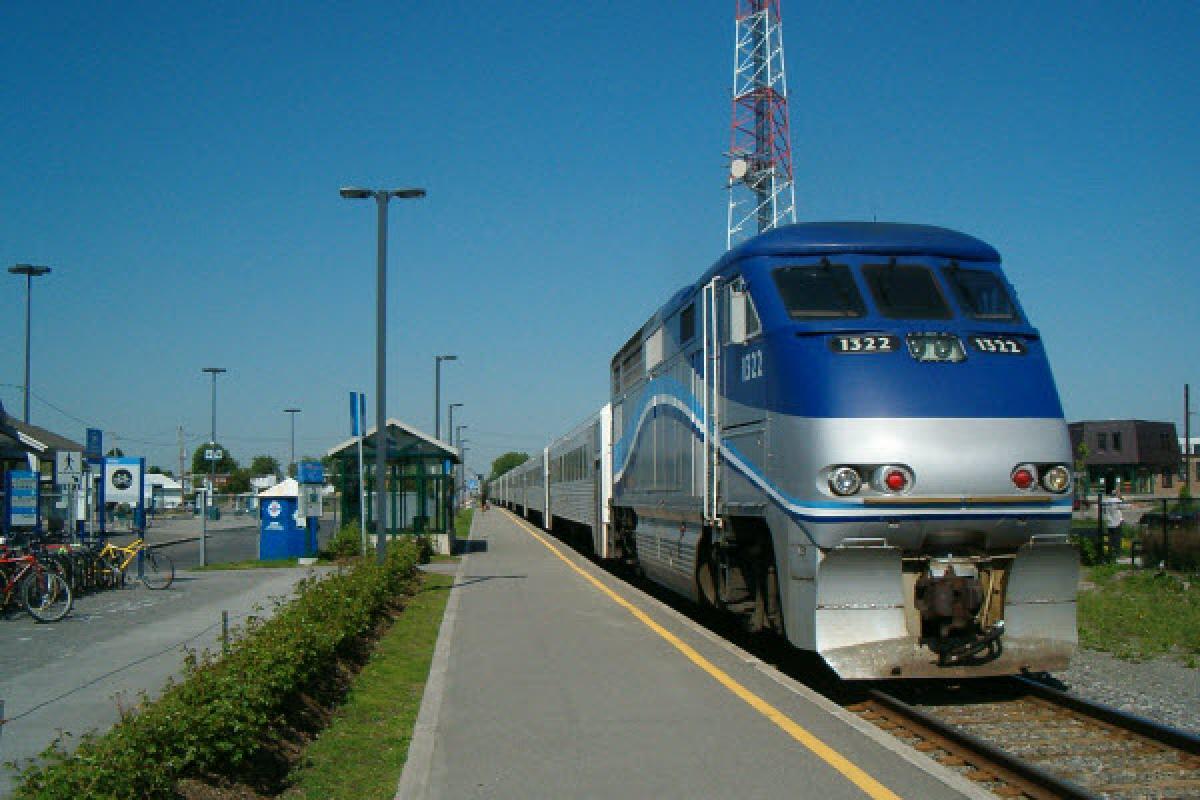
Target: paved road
229	539
74	675
543	686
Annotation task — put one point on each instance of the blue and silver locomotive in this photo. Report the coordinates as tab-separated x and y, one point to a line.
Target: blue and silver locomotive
849	434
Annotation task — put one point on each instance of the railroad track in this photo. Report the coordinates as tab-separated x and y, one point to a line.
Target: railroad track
1019	738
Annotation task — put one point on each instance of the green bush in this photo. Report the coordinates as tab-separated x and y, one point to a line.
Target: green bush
1090	553
346	543
226	714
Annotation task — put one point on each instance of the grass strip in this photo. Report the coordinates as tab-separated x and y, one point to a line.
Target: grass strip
1139	614
361	754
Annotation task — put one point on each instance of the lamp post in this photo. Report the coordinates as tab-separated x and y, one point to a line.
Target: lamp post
450	427
437	393
381	197
457	435
30	272
292	412
212	460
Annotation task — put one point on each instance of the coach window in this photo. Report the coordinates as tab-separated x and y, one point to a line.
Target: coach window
823	291
654	349
687	324
631	368
981	293
904	291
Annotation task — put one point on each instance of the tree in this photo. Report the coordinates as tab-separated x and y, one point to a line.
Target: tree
200	465
239	481
160	471
264	465
508	461
116	452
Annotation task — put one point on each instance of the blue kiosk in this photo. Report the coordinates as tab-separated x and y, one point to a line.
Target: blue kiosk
281	533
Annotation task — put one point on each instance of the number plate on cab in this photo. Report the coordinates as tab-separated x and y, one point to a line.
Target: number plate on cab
864	343
1005	345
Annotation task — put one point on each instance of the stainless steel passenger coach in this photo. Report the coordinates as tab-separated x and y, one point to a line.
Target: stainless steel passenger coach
847	434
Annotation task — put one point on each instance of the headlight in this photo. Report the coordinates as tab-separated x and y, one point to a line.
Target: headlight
1057	479
845	481
945	347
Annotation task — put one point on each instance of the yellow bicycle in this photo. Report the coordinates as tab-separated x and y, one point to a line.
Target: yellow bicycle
112	562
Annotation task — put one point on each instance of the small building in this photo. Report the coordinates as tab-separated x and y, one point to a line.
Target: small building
1137	456
30	447
162	491
419	483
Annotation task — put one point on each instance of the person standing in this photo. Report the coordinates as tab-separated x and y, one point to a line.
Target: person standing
1111	511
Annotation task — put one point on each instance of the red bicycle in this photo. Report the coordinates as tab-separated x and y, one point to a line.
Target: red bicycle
41	591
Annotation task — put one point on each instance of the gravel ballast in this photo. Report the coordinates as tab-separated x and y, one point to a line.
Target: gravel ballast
1160	689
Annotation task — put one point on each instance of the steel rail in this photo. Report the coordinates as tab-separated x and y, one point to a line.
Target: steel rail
1172	737
1034	775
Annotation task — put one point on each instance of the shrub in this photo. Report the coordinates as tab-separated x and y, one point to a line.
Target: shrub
1180	551
346	543
220	719
1086	540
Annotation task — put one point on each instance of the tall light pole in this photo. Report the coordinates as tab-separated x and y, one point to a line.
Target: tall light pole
450	427
457	434
381	196
212	460
292	412
30	272
437	393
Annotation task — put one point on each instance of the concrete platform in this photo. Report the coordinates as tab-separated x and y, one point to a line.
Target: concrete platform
553	679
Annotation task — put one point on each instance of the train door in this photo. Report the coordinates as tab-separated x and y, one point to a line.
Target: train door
743	384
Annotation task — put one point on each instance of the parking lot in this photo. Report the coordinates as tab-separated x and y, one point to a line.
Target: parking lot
76	675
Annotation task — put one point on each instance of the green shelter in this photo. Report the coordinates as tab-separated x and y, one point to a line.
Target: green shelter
419	485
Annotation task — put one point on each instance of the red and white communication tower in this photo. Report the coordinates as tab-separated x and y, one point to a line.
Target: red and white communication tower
761	191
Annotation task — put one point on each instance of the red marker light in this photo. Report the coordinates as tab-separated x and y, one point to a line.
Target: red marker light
1022	478
896	480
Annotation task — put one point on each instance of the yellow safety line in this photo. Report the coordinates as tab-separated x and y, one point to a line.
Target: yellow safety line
826	753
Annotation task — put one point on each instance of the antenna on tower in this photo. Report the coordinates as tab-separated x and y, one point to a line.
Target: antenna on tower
761	192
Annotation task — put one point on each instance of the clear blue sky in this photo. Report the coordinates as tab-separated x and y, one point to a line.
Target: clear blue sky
177	164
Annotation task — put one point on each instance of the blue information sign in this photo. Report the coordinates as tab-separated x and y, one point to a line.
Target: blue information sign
22	490
310	472
95	443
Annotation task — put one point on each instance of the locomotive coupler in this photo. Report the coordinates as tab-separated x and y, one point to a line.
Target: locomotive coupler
949	597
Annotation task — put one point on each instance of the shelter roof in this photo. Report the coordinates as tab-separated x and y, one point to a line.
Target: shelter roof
404	441
285	488
18	438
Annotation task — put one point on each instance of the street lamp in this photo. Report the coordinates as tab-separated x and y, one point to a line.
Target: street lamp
450	427
437	393
381	196
30	272
461	484
212	460
293	412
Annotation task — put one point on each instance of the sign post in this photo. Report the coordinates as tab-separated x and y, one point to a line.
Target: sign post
358	416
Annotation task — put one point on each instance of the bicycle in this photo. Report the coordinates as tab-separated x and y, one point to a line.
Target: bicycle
112	561
41	591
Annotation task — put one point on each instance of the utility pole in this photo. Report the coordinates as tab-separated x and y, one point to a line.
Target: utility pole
1187	439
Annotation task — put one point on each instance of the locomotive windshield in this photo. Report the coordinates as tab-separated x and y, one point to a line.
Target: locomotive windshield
981	293
906	292
825	290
